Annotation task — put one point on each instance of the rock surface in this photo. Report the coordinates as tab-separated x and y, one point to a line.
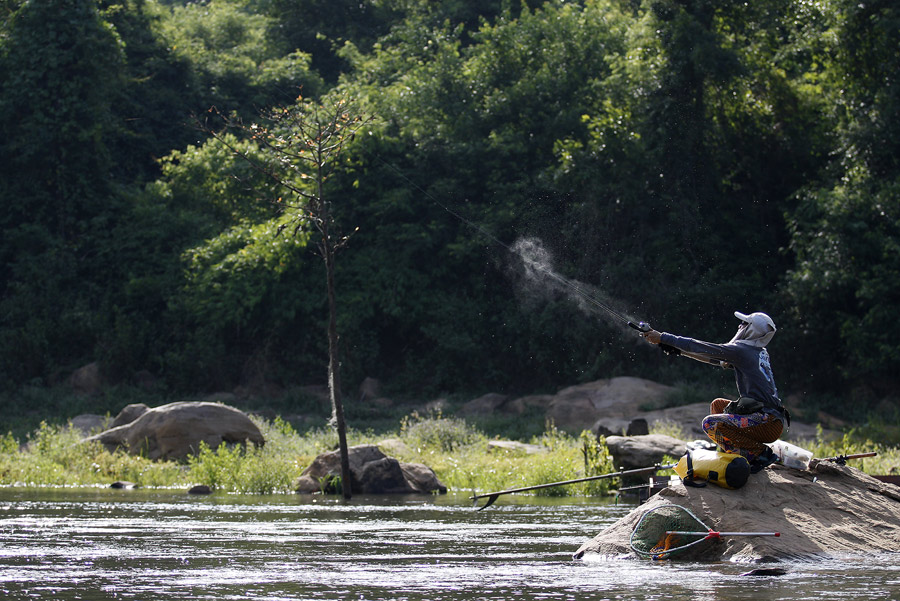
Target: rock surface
579	407
87	379
514	446
174	431
372	472
129	414
826	510
632	452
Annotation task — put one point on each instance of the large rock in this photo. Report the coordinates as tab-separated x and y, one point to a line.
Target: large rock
372	472
496	403
487	404
632	452
579	407
129	414
174	431
87	379
826	510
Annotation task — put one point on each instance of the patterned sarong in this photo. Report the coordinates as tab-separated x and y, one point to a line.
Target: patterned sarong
741	434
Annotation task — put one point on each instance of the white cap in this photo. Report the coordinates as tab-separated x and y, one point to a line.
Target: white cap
758	331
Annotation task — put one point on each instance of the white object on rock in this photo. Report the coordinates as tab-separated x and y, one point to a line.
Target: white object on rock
791	455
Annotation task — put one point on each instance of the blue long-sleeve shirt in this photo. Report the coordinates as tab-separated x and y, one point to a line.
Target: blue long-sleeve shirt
752	368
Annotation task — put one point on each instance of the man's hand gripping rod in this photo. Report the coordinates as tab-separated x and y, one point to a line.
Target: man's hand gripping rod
643	326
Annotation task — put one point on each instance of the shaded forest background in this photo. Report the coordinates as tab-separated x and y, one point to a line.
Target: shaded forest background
684	158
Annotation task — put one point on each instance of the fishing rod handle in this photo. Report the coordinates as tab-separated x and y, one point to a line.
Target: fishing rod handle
854	456
641	326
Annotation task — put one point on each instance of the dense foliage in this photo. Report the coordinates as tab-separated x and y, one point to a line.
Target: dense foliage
684	158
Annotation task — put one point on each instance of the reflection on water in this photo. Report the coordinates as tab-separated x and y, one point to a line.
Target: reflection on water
106	544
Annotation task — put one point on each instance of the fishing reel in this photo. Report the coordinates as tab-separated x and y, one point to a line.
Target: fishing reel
643	326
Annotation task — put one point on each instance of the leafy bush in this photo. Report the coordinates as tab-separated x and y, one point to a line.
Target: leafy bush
434	432
56	455
887	460
476	467
267	469
669	428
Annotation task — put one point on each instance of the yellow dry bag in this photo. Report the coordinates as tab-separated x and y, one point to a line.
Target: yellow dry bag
699	466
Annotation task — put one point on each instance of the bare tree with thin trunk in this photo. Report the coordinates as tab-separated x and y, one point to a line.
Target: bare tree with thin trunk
304	144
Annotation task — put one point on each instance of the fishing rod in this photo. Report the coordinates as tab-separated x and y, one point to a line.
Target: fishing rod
492	496
842	459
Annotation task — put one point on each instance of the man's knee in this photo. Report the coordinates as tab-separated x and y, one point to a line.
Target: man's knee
718	405
768	431
742	439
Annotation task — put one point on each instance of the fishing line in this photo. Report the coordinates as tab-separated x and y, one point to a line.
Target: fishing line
572	286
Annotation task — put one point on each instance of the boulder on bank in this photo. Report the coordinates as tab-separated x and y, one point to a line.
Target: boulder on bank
828	509
579	407
129	414
372	472
633	452
500	404
87	379
174	431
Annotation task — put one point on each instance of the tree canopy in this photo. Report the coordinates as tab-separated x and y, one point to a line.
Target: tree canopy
684	158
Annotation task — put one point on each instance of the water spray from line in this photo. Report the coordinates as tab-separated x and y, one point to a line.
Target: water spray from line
538	268
537	264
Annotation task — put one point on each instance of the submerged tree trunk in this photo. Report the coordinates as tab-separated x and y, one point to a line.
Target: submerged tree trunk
334	373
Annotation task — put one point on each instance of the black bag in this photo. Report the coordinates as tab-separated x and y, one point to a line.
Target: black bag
743	406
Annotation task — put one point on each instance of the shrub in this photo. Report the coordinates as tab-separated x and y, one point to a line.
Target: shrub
669	428
434	432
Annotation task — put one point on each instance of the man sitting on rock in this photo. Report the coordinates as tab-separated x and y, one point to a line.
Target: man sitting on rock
740	427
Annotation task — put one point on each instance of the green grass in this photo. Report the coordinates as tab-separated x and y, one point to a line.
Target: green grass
886	462
53	454
462	459
459	454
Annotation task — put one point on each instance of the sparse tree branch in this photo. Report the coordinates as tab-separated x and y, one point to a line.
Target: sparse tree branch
304	143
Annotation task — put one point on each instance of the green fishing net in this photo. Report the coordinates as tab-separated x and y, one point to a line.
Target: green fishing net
665	530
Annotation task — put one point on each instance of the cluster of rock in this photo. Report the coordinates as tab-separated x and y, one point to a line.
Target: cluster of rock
177	430
372	472
604	406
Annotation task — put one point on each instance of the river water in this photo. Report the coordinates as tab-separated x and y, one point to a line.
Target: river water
158	545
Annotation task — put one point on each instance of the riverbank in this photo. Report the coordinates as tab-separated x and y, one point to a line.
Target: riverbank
463	456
